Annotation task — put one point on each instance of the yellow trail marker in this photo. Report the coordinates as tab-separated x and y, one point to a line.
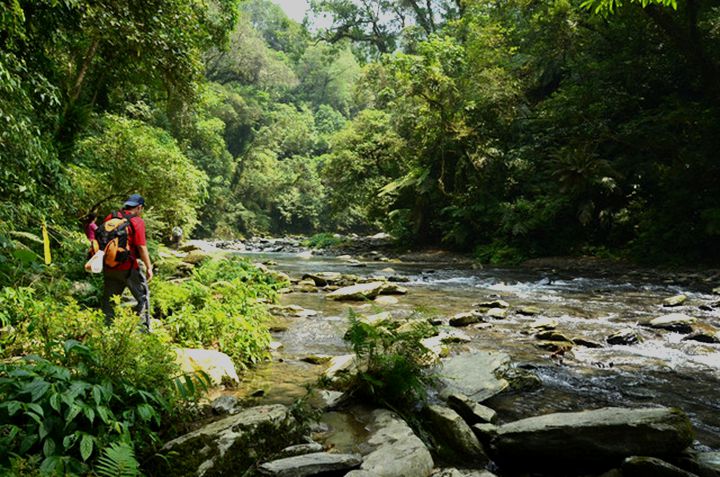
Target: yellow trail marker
46	244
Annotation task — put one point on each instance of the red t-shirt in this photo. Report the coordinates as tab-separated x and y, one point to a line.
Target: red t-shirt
136	237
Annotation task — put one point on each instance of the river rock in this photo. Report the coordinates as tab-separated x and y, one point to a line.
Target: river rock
397	451
224	405
386	300
673	322
322	279
704	464
600	437
362	291
558	347
229	446
393	289
218	366
637	466
462	473
703	337
544	324
529	310
626	336
464	319
196	256
473	412
376	319
676	300
309	464
451	429
492	304
452	335
580	341
436	347
344	364
317	358
485	432
301	449
497	313
475	374
551	335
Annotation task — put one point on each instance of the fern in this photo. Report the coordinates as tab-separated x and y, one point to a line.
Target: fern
118	460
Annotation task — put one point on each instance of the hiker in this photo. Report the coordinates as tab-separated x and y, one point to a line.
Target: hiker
90	226
176	236
122	270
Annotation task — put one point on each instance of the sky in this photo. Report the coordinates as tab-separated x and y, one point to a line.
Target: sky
295	9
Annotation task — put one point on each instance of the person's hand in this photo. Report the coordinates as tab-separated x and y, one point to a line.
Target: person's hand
149	272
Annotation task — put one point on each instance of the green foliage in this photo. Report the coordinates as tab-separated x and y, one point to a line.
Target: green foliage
221	306
498	253
118	460
391	361
128	156
67	411
324	240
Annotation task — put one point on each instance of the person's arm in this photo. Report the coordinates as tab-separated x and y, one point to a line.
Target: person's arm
145	257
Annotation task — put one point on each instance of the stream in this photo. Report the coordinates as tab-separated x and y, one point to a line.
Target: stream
660	370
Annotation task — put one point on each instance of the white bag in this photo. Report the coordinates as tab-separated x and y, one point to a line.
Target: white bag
95	264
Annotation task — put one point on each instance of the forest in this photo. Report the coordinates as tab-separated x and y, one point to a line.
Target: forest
508	129
505	130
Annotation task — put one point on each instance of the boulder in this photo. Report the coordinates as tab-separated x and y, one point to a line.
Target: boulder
497	313
229	446
601	437
637	466
473	412
626	336
551	335
673	322
544	324
301	449
317	358
580	341
218	366
397	451
529	310
464	319
340	365
704	464
386	300
676	300
393	289
492	304
224	405
449	428
195	256
322	279
703	337
485	432
475	374
362	291
309	464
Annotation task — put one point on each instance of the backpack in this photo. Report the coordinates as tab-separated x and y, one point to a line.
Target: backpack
112	238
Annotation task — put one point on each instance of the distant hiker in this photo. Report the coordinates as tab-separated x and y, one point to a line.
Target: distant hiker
90	226
176	236
122	237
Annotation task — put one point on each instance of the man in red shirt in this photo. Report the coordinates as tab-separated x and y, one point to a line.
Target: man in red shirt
128	273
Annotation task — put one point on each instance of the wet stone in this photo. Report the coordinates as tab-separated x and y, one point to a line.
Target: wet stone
301	449
464	319
492	304
544	324
703	337
497	313
676	300
551	335
529	310
677	322
626	336
636	466
309	464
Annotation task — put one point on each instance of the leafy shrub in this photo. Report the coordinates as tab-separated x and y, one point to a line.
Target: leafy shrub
392	362
499	253
324	240
222	306
66	412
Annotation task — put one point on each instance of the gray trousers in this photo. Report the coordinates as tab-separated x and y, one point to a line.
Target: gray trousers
115	283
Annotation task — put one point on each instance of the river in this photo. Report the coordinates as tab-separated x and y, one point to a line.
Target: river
662	369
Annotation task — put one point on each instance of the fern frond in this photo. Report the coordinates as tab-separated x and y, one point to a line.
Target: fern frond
118	460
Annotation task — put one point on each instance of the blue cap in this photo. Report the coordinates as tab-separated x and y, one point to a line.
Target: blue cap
134	200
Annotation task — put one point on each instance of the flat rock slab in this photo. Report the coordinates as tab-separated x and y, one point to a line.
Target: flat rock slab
218	366
475	374
398	452
451	429
652	467
600	437
673	322
362	291
309	464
